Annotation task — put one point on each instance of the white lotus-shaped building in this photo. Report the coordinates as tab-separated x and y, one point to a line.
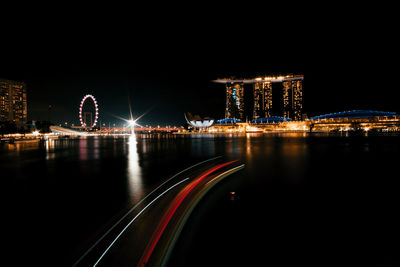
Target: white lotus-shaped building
197	122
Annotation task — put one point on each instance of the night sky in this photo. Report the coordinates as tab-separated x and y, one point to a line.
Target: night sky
162	58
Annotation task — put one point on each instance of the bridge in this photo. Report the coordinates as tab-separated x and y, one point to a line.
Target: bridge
148	129
66	131
356	120
114	130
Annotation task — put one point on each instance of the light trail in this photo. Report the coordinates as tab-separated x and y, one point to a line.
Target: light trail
173	207
126	227
135	206
191	206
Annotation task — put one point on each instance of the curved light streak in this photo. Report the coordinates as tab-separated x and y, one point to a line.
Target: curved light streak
135	206
192	205
96	108
171	211
126	227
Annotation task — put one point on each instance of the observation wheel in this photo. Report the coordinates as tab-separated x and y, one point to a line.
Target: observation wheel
82	114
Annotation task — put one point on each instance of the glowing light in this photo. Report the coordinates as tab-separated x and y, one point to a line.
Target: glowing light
126	227
134	207
132	123
253	129
36	132
171	211
134	170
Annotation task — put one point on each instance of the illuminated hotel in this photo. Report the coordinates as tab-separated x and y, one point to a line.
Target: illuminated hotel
277	106
291	97
13	105
234	100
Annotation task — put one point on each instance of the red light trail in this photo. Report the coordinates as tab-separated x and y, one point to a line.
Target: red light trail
170	212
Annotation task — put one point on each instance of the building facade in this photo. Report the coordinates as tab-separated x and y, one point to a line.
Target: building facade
262	93
290	98
234	101
13	102
293	99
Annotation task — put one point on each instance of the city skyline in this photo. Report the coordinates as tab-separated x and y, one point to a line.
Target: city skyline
63	106
288	100
141	163
169	68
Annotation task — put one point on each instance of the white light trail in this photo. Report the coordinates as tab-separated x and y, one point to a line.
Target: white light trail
126	227
135	206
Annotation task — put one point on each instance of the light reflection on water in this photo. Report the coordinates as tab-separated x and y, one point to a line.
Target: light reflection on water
94	178
83	148
135	182
49	145
23	146
96	148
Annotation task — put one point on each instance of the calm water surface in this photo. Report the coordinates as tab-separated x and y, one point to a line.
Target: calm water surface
301	199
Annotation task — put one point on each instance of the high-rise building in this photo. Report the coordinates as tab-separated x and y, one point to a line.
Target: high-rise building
13	105
234	100
293	99
290	99
262	92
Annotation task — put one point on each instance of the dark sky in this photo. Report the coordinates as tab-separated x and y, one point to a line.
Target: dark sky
163	57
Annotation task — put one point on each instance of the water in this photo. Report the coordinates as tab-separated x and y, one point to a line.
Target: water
301	199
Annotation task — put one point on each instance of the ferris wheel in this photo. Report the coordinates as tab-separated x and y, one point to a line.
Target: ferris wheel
82	114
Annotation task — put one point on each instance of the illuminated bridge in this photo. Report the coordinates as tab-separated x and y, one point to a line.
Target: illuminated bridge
354	114
66	131
356	120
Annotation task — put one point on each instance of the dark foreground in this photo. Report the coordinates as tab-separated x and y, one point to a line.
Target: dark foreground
301	199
